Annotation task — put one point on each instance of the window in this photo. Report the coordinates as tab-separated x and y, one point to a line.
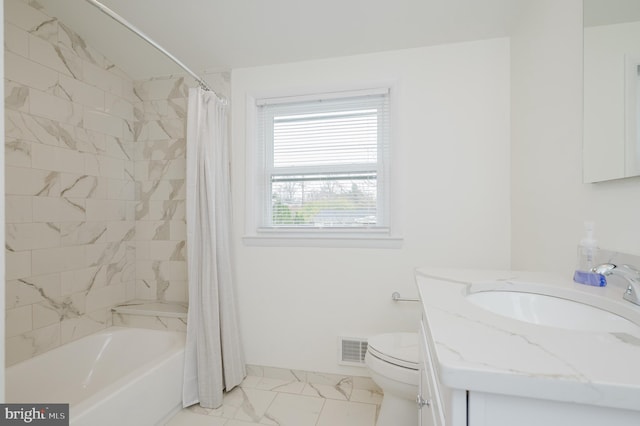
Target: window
323	163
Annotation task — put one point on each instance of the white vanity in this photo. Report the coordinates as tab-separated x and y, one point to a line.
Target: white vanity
497	350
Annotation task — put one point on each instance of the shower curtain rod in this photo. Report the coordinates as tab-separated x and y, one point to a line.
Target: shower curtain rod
113	15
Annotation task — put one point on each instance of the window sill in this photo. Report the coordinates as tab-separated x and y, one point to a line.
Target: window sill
324	239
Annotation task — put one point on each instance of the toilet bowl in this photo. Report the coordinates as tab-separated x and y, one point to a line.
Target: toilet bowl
392	360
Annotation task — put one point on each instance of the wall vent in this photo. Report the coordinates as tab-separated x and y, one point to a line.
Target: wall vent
351	351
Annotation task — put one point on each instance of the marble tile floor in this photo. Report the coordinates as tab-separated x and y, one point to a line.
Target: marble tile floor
260	401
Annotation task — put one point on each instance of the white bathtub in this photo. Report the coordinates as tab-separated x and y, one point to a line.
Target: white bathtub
119	376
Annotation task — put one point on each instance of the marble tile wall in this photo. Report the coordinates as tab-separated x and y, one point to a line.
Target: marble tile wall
95	184
167	316
160	148
70	189
159	134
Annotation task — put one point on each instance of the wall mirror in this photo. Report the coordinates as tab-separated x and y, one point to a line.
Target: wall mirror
611	137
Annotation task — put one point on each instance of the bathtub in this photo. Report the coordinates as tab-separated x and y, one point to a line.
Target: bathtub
119	376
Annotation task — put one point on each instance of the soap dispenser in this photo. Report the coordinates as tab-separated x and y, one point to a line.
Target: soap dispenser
587	250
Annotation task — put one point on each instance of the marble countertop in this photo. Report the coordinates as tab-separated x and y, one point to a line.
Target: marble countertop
478	350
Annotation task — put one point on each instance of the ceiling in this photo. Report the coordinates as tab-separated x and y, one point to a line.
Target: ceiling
219	35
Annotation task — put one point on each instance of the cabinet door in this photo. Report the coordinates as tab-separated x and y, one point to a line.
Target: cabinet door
425	409
429	401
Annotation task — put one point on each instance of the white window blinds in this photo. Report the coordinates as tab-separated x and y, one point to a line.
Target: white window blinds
324	161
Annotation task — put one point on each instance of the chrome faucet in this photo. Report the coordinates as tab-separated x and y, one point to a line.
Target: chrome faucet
631	274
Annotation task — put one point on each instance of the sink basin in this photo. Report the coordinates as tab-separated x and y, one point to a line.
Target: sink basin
551	311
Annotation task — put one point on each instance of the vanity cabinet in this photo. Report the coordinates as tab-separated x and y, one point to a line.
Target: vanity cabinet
437	404
486	370
452	407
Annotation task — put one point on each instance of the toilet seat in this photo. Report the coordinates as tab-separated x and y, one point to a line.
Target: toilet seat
400	349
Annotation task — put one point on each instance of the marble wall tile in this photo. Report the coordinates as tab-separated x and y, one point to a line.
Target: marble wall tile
18	209
161	169
72	41
150	322
79	92
120	231
161	210
101	165
46	105
118	106
16	40
146	289
45	261
51	209
165	149
81	139
82	280
106	253
16	96
18	264
129	170
46	157
29	18
103	122
17	153
27	181
83	186
82	233
153	230
106	210
31	343
119	148
173	189
51	56
18	320
153	130
105	297
161	269
70	198
32	74
119	189
178	230
167	250
26	127
177	291
75	328
103	79
162	88
113	151
30	236
31	290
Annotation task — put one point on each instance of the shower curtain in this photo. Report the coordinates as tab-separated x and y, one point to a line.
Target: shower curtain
214	360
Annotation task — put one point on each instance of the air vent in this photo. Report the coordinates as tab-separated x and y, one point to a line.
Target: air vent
351	351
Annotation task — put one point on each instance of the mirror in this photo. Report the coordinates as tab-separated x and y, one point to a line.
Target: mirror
611	137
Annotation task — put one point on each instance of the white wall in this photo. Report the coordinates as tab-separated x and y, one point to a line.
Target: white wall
451	182
549	200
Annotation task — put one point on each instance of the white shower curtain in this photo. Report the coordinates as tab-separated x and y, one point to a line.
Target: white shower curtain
214	360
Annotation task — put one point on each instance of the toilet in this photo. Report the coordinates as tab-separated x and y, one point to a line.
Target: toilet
392	360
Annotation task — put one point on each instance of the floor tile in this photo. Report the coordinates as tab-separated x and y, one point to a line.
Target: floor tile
342	413
326	391
283	401
189	418
234	422
250	381
254	404
279	385
293	410
366	396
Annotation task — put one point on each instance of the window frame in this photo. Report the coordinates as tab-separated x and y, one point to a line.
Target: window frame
257	193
